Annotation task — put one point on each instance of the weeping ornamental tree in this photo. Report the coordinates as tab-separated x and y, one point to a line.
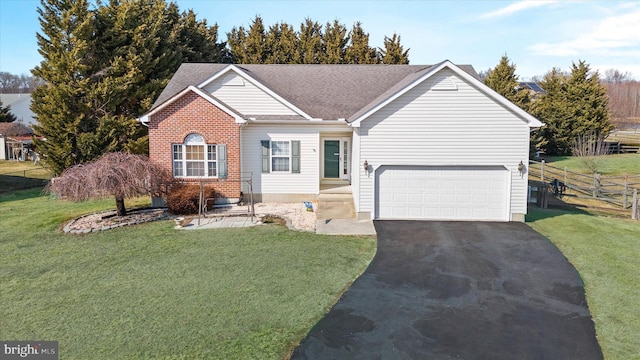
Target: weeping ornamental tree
118	175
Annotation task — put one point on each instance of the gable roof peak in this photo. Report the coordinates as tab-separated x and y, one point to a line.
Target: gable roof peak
316	91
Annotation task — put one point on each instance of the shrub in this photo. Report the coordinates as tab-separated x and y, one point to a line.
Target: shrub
590	149
183	198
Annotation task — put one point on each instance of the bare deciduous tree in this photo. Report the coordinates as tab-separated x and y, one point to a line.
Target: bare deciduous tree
590	149
121	175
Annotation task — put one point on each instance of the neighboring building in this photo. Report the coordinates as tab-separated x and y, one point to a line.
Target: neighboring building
535	90
15	141
20	107
414	141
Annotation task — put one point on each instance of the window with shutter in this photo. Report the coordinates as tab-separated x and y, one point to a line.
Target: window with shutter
281	156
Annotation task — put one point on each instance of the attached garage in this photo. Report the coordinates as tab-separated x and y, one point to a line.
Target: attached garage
444	147
467	193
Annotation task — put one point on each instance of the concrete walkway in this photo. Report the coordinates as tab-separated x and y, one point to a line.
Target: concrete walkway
327	227
459	290
220	222
336	213
345	227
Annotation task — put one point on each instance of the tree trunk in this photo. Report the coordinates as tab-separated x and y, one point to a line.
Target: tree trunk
120	210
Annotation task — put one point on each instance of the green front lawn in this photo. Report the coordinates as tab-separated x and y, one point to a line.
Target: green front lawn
150	291
606	253
23	168
612	165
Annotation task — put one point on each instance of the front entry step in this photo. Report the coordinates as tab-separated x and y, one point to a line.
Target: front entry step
335	206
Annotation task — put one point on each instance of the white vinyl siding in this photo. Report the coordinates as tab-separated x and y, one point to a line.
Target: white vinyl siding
308	180
357	166
245	97
454	127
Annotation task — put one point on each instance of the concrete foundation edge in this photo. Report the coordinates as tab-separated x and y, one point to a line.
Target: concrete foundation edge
282	198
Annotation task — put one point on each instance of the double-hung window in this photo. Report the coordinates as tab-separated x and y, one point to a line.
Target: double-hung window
281	156
196	158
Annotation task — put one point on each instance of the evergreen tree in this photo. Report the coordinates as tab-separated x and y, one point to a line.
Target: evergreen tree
393	52
255	42
248	47
359	51
588	101
335	42
504	81
236	40
554	137
281	41
61	105
574	105
310	43
103	68
5	114
197	41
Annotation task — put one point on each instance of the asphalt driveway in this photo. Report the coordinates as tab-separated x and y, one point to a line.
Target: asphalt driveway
459	290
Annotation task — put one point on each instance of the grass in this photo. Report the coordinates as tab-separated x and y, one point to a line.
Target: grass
150	291
24	168
612	165
15	175
605	252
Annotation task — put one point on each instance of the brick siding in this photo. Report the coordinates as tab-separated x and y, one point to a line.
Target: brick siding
192	114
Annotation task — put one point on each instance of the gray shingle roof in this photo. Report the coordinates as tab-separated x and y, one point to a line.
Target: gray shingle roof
327	92
20	107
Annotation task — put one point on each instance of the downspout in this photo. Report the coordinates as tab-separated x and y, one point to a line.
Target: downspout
240	144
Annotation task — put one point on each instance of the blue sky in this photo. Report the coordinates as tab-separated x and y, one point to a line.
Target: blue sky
536	35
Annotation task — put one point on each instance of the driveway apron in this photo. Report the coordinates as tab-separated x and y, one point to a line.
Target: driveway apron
459	290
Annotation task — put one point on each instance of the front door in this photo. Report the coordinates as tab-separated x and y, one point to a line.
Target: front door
336	158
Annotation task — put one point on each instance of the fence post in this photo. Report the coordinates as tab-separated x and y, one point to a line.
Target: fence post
566	182
634	206
626	190
595	185
542	170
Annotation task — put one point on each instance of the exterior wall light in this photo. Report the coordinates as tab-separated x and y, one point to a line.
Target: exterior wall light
520	166
366	165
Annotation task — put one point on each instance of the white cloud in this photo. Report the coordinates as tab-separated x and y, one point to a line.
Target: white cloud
515	8
613	36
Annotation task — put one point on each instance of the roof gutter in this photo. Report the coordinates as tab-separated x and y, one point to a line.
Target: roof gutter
144	120
298	122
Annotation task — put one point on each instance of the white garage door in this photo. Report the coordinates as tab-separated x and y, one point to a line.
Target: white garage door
442	193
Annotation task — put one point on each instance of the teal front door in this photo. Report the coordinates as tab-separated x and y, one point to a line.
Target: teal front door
332	159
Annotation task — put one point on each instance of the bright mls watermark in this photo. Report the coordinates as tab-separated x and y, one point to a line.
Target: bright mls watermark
32	350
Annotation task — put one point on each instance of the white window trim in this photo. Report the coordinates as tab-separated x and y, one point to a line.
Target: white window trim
288	156
183	151
293	157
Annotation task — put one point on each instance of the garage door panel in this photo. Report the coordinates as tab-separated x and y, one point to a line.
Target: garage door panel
442	193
